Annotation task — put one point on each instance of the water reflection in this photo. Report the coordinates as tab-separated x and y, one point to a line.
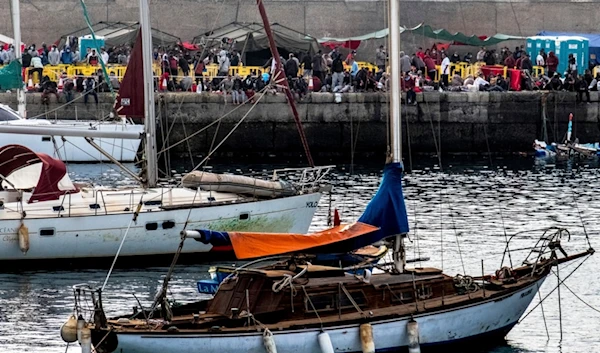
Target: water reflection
474	202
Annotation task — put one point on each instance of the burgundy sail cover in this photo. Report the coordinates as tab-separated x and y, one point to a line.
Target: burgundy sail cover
130	99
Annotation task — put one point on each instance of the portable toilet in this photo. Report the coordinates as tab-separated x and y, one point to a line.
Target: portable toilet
86	42
579	47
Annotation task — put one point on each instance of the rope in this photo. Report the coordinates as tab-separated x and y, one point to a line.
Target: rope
62	106
583	301
312	306
287	280
133	219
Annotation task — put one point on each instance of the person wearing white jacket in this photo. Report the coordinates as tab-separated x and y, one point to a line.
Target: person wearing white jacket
54	56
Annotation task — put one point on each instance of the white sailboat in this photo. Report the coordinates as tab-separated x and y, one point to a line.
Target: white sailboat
75	149
294	306
44	216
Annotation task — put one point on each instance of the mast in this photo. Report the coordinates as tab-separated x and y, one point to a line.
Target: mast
16	20
279	78
149	114
395	92
399	252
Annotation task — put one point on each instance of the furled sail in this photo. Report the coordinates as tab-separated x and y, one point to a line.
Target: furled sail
130	99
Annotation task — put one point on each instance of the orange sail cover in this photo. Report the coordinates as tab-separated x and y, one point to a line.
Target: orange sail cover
251	245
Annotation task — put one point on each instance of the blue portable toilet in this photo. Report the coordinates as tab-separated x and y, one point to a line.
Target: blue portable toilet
86	42
562	46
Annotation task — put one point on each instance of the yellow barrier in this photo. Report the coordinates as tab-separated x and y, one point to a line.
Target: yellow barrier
537	70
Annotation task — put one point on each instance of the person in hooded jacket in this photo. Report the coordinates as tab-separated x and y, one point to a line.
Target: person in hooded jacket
66	57
54	56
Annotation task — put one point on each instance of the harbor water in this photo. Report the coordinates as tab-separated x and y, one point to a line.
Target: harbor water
460	215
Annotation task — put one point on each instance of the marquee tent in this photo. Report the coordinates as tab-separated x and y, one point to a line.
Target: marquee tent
120	33
251	41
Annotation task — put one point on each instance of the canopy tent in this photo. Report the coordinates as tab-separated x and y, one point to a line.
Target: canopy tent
120	33
594	40
427	31
251	41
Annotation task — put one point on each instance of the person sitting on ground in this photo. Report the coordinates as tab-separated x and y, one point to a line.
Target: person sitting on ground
556	83
186	84
90	89
69	89
408	84
569	83
48	87
494	86
582	88
457	82
226	85
480	83
593	86
361	80
237	91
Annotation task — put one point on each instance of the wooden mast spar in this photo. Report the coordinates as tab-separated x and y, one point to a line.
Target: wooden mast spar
278	77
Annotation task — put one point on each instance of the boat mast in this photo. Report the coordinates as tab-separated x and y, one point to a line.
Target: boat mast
399	254
149	113
279	77
16	20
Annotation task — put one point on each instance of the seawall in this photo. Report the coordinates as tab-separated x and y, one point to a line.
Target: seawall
47	20
455	122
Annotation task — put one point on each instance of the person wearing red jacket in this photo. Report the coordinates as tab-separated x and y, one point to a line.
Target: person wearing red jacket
510	62
551	63
430	66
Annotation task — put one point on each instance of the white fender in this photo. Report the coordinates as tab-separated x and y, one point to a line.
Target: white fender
412	331
325	342
23	238
269	341
366	338
85	339
68	331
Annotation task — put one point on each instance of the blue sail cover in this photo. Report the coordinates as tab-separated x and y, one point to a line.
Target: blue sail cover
213	237
386	210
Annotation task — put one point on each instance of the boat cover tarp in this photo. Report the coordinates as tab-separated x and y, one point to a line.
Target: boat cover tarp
14	158
247	245
130	98
387	209
428	31
594	39
10	76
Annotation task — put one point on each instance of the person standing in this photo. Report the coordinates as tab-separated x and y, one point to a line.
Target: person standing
337	68
380	58
317	65
445	70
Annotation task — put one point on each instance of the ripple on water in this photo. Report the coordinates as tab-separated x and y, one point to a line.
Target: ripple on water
462	202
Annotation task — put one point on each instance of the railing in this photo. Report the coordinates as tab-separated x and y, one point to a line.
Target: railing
310	178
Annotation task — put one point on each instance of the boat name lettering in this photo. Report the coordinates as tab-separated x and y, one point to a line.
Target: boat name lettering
524	294
312	204
8	230
9	238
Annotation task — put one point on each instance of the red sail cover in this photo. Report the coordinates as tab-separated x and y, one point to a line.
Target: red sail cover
15	157
130	99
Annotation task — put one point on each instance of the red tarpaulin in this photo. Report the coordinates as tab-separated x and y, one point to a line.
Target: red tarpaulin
130	99
190	46
515	79
16	157
351	44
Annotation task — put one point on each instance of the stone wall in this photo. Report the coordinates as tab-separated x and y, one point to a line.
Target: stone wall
47	20
456	122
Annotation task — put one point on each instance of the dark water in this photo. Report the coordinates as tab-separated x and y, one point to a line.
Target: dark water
475	201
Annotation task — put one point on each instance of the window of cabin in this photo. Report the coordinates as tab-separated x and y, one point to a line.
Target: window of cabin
320	302
358	297
424	292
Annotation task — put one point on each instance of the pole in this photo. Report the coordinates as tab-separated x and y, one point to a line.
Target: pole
16	20
279	78
395	91
149	113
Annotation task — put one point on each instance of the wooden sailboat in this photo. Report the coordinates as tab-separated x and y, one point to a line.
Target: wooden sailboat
61	221
295	306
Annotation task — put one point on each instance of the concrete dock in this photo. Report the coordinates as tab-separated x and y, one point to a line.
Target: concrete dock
458	122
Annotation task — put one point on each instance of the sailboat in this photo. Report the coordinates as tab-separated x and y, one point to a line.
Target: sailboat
44	216
75	149
295	306
568	148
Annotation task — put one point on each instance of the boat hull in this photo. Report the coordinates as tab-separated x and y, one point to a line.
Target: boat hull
77	149
99	236
493	318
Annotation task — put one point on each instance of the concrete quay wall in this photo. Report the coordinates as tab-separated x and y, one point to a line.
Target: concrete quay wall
458	122
47	20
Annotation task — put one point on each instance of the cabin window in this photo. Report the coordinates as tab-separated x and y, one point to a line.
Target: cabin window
320	302
7	116
424	292
152	226
58	208
46	138
211	199
94	206
358	297
244	216
153	203
168	224
406	296
45	232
